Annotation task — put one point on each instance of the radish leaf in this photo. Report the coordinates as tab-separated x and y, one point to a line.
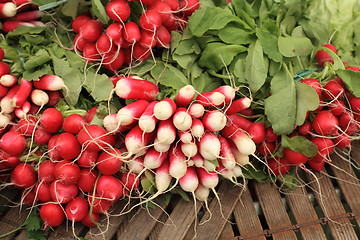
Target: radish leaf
299	144
292	46
255	67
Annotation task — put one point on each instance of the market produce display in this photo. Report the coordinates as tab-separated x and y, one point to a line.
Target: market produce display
106	101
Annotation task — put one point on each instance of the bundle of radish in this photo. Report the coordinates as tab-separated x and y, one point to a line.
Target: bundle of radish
130	37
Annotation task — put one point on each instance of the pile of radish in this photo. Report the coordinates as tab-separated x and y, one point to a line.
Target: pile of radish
14	13
128	39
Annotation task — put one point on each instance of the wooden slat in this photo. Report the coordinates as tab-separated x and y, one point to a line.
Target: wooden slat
247	219
348	182
12	221
229	196
274	210
304	212
331	206
65	231
158	226
227	233
22	236
179	221
144	220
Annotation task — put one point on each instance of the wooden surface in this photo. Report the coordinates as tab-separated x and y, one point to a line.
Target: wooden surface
325	206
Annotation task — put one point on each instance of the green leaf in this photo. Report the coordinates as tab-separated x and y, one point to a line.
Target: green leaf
233	34
218	55
202	82
99	11
338	63
306	100
40	58
70	8
98	86
185	61
169	76
182	194
35	74
255	67
269	43
237	67
187	46
292	47
289	180
280	107
36	235
33	221
299	144
214	162
257	174
351	79
148	182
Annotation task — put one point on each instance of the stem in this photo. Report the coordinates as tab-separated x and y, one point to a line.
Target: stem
51	5
213	73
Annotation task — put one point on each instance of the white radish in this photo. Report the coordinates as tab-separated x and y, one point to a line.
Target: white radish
39	97
147	121
214	120
209	146
196	110
182	119
189	149
164	109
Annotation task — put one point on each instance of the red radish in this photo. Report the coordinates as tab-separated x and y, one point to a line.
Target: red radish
265	148
189	149
109	161
257	132
8	80
91	31
241	158
348	123
91	53
22	93
109	188
89	221
42	192
147	2
270	136
163	9
2	53
118	10
177	167
314	83
7	10
23	176
87	158
185	136
52	214
52	148
13	143
104	44
130	181
79	43
294	157
325	146
94	138
11	25
23	110
150	20
42	137
136	165
164	109
46	171
190	181
163	37
238	105
198	160
182	119
131	32
131	112
325	123
209	146
305	129
166	132
141	53
189	6
147	39
27	125
39	97
133	87
337	107
99	204
153	159
342	141
54	98
67	172
243	142
77	209
317	165
227	157
174	4
12	161
137	141
114	31
210	99
37	23
4	69
62	193
214	120
28	197
354	103
322	56
278	166
196	110
185	96
28	15
79	21
333	90
208	179
197	128
87	180
239	121
50	83
67	146
113	60
74	123
147	120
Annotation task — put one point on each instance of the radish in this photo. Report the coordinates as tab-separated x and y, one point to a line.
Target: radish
162	178
113	60
202	193
27	126
89	116
114	31
2	53
136	165
241	158
4	120
337	107
41	137
207	179
10	25
270	136
354	103
182	119
333	90
91	53
305	129
278	166
136	88
190	181
22	93
325	123
50	83
189	149
104	44
42	192
163	37
196	110
90	221
12	161
198	160
164	109
28	197
23	176
161	147
294	157
342	141
62	193
185	136
177	167
6	103
46	171
130	181
52	214
99	204
67	172
227	157
238	105
131	112
67	146
153	159
214	120
229	93
150	20
39	97
109	161
239	121
317	165
91	31
314	83
322	56
8	80
185	95
13	143
87	180
54	98
7	10
73	123
147	39
257	132
243	142
166	132
118	10
109	187
131	32
210	99
94	138
197	128
209	146
163	9
147	120
78	21
325	146
28	15
189	6
137	141
266	148
141	53
77	209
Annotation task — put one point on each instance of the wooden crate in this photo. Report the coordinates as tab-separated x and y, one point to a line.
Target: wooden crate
325	206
